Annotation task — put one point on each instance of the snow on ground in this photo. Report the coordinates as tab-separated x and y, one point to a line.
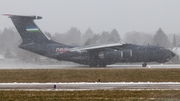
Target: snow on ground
91	83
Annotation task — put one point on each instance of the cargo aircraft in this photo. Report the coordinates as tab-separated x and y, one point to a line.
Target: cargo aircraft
34	40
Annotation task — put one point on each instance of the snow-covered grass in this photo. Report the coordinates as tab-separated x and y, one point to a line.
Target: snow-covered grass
74	83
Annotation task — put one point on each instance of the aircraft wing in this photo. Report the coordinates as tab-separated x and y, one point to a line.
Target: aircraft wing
97	47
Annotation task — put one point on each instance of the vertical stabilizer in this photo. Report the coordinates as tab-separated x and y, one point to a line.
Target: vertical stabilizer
28	30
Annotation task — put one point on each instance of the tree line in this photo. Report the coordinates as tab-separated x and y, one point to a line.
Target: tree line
10	40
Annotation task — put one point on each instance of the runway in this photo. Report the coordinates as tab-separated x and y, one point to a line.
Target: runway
73	65
84	66
92	86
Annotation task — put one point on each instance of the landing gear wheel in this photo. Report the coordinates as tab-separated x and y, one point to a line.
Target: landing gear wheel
102	65
144	64
93	65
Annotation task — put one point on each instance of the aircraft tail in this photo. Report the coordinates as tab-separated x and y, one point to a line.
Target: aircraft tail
28	30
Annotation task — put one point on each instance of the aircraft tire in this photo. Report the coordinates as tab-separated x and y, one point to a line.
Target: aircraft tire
93	65
102	65
144	65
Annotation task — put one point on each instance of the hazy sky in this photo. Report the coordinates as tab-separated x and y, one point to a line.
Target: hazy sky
100	15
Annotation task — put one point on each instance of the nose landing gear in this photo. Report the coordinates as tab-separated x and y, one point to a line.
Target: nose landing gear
144	64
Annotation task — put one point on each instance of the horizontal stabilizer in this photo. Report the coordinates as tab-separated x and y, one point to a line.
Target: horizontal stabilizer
24	16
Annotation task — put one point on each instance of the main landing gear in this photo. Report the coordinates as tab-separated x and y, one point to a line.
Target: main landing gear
102	65
144	64
92	65
96	65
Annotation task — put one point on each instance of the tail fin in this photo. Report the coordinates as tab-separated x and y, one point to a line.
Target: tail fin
28	30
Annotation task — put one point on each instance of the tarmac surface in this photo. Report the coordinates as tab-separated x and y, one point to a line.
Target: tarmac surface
91	86
66	65
85	66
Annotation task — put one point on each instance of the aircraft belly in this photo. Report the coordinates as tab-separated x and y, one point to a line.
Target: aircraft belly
81	58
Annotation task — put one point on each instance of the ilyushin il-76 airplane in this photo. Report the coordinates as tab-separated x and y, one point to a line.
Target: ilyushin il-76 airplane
34	40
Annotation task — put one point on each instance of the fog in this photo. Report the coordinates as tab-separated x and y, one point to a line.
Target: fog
84	22
100	15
